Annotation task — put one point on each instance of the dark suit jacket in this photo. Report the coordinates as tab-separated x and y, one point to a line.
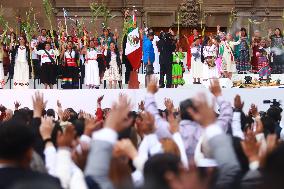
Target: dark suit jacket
14	176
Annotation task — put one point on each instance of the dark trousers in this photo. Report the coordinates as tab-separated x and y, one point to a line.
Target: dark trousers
149	72
128	69
166	69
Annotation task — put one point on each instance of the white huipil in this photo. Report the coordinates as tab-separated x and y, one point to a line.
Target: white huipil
21	69
2	78
210	72
228	59
92	76
196	64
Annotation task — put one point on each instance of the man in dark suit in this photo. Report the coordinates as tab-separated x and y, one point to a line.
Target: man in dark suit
16	141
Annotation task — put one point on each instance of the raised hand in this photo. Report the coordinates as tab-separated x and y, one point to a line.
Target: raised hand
38	104
169	105
66	138
253	110
99	100
202	112
17	105
118	116
141	106
153	86
238	104
215	87
251	148
80	159
91	125
46	128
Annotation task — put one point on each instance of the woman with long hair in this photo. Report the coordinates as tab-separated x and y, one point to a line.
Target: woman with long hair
244	58
277	43
48	65
70	76
92	77
112	74
21	55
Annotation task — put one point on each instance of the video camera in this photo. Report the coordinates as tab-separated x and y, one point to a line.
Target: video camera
273	103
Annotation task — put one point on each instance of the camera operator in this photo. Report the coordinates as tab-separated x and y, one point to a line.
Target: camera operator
166	46
273	114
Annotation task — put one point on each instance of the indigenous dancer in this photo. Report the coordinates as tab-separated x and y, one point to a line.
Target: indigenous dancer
70	75
228	60
197	66
244	58
264	69
48	65
112	74
277	44
21	55
210	54
2	79
178	69
92	77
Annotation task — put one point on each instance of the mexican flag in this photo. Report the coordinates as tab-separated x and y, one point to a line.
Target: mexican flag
133	49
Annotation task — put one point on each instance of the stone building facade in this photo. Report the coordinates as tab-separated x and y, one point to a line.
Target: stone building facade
157	13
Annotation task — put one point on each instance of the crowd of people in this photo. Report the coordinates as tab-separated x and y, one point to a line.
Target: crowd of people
190	146
97	60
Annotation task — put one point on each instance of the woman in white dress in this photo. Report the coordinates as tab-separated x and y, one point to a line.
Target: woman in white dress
209	67
21	54
2	79
112	74
92	77
228	59
196	64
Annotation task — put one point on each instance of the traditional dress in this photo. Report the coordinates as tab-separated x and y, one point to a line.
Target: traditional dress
178	69
48	71
2	79
264	69
244	58
196	64
112	72
277	44
21	68
228	58
209	68
92	77
70	75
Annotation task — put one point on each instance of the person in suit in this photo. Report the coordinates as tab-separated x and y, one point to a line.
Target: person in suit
16	150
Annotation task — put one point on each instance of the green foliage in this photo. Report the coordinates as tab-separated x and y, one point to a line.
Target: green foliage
100	10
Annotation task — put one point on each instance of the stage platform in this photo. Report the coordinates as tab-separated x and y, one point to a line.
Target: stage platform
226	83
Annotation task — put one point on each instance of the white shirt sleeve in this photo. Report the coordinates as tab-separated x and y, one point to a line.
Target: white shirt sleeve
178	140
236	125
50	159
70	176
63	168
